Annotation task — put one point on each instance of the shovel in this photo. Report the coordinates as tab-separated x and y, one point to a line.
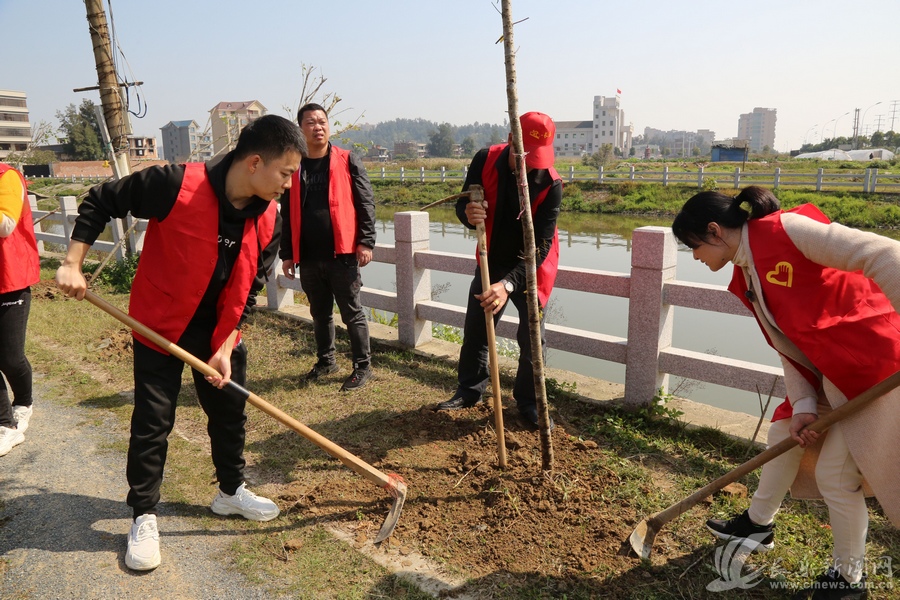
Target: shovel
393	483
641	539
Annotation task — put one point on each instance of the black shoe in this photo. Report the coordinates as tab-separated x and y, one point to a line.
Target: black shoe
320	370
832	586
760	538
529	414
458	403
357	379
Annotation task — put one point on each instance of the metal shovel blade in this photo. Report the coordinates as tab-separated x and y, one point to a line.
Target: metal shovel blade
641	539
393	516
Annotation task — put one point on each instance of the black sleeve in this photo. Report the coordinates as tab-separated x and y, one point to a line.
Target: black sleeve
544	223
364	201
473	177
286	251
150	193
268	258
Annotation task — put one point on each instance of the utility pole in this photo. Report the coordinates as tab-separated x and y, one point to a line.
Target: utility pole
115	119
894	113
856	129
110	99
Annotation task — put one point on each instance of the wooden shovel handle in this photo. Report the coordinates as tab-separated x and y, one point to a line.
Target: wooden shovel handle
850	408
355	463
476	194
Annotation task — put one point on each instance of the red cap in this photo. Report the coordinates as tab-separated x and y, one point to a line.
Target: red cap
538	131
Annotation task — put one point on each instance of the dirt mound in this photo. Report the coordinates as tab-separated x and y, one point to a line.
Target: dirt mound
471	517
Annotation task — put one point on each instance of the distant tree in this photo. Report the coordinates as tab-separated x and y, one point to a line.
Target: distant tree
877	139
440	142
496	137
468	146
82	132
41	134
695	151
632	151
602	156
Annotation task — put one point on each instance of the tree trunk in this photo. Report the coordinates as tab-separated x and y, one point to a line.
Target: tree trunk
534	309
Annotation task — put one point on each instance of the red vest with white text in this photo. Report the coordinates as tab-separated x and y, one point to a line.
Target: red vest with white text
340	205
546	272
19	261
179	257
841	321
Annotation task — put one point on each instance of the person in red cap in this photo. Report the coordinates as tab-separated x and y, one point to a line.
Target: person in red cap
494	169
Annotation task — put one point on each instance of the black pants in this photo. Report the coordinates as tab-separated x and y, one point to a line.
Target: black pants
14	309
474	368
326	282
157	381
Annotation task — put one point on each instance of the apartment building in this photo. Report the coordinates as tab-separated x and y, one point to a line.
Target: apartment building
227	119
184	141
758	127
142	148
676	142
607	126
15	128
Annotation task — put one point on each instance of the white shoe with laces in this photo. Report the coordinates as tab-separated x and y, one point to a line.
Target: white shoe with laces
143	544
9	439
22	415
245	503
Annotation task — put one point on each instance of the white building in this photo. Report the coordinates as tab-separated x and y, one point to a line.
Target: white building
607	126
15	128
758	127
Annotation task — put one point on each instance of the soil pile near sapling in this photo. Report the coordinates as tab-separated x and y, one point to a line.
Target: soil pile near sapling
480	522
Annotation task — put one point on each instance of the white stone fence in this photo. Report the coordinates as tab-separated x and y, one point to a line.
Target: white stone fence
868	180
651	288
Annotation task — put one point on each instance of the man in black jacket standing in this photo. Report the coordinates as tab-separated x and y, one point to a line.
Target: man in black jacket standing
328	233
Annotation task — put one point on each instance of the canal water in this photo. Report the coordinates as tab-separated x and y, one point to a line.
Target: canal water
603	242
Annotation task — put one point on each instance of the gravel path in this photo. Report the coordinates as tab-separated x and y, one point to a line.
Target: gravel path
64	522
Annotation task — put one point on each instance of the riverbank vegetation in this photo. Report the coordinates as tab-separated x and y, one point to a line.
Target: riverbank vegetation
854	209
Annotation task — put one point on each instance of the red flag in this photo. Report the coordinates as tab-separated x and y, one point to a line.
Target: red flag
618	91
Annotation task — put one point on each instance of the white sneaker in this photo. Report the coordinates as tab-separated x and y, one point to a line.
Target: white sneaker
143	544
22	415
245	503
10	438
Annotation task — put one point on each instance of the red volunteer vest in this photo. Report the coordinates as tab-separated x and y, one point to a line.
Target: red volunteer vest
19	261
340	204
179	257
546	273
841	321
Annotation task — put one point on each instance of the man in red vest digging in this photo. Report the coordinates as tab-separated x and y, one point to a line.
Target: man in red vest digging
494	169
328	233
211	241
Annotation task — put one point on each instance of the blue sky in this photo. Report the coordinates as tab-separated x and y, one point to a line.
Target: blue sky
680	65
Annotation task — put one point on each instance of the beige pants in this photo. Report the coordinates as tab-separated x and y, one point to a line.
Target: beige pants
840	483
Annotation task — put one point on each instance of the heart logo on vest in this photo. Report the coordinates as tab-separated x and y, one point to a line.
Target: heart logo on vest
783	274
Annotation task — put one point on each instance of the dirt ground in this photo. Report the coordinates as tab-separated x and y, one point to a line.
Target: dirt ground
474	530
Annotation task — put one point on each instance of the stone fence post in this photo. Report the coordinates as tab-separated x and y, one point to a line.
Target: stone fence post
32	202
653	260
413	283
68	207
